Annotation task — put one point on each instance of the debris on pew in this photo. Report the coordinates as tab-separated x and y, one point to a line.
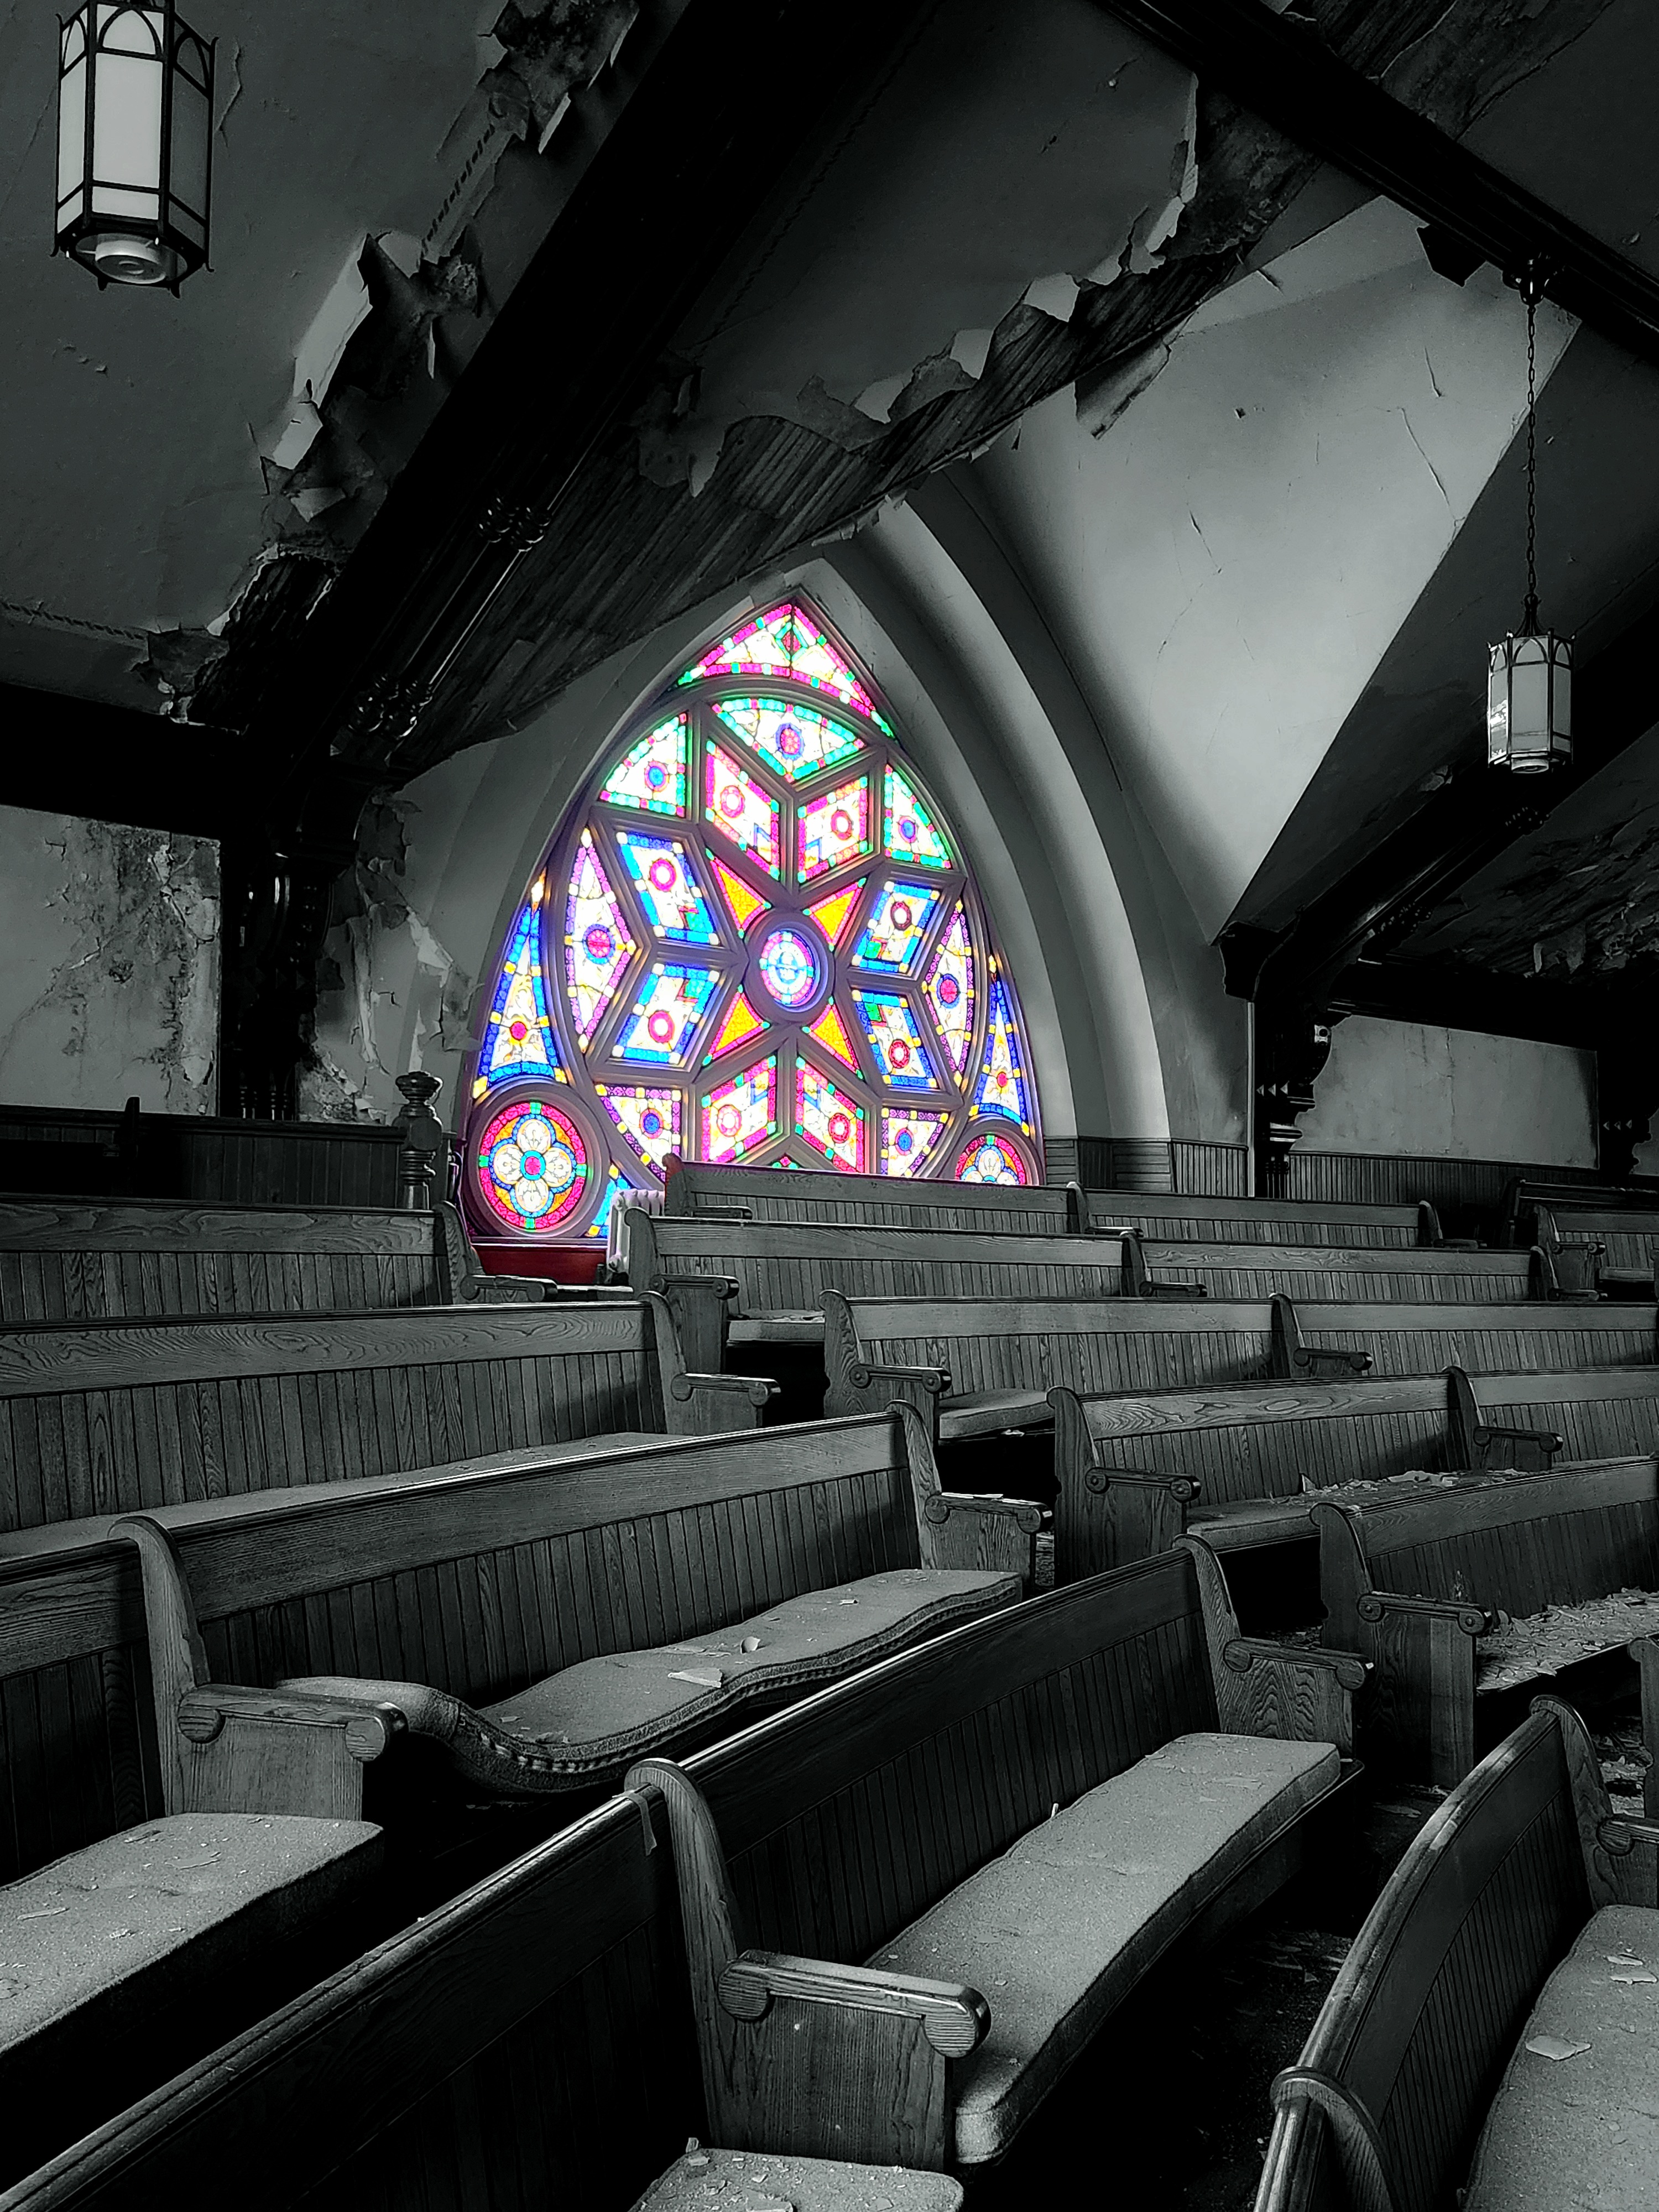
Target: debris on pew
1561	1635
1390	1486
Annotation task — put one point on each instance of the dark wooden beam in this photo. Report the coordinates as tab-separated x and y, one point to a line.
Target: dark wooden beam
66	755
1281	71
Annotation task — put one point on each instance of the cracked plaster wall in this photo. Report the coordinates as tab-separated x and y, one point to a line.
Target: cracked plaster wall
1454	1094
110	986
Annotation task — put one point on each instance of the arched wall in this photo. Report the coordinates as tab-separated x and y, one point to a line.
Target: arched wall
951	639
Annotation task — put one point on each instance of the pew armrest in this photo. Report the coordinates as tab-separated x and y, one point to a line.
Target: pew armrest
1182	1488
953	2017
758	1389
945	1504
1375	1605
1487	1439
1319	1360
1304	1696
1623	1830
509	1290
369	1725
936	1381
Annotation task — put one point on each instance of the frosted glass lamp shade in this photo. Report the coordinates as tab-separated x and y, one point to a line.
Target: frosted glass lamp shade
135	123
1529	703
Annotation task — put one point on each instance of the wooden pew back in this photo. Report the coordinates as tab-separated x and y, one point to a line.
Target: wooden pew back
1271	1440
1632	1235
128	1414
787	1195
1430	2001
530	2042
784	1266
1100	1346
1255	1220
1554	1539
104	1260
476	1581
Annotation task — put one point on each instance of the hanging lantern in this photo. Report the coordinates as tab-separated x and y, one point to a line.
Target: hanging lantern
1529	673
135	122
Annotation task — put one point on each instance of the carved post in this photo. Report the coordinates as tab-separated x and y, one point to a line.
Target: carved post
425	1144
1292	1044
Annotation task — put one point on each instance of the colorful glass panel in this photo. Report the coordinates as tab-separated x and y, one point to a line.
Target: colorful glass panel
532	1165
598	948
651	775
834	830
742	1116
786	642
615	1188
789	969
784	1161
898	922
907	828
1001	1085
649	1117
744	903
796	741
830	1031
909	1137
948	989
736	805
519	1036
741	1023
987	1157
670	893
831	1121
895	1041
667	1015
833	913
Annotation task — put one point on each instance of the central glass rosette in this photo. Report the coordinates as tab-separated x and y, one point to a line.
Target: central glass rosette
789	969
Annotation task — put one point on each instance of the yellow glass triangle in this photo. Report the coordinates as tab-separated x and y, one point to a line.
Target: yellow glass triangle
741	1023
744	903
831	914
830	1031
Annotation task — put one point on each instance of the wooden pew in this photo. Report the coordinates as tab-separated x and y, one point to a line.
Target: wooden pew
64	1259
1235	1464
975	1366
528	2044
1047	1209
777	1272
123	1415
868	1969
1412	1583
1384	2109
473	1582
1628	1239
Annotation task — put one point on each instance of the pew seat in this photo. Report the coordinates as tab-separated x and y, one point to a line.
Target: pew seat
127	1937
701	2180
1557	2125
1061	1926
592	1718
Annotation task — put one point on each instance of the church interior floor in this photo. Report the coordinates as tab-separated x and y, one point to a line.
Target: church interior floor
1170	2106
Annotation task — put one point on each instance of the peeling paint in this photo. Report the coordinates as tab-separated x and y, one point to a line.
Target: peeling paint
111	989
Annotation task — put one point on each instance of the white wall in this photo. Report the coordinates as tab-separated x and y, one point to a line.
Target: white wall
109	987
1400	1087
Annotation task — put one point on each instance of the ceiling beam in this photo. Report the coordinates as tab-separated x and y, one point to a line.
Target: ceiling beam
67	756
1283	73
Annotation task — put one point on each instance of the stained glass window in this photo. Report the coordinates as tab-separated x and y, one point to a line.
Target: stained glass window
771	954
519	1038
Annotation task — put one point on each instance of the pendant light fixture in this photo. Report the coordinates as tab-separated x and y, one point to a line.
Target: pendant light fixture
1529	675
135	123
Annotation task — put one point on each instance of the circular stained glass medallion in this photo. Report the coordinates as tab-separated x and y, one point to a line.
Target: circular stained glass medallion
531	1166
789	967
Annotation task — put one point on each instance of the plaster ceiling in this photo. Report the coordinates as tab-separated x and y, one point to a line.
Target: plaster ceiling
134	495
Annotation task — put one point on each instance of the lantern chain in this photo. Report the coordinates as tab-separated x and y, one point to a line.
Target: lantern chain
1529	621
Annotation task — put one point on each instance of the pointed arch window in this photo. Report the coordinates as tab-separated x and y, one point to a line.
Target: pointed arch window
754	940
